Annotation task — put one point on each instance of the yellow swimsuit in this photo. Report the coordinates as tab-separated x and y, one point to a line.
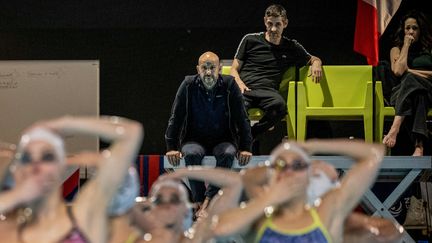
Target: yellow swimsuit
314	233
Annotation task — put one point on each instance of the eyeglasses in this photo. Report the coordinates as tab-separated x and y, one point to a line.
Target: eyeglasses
145	208
295	165
47	157
173	200
143	204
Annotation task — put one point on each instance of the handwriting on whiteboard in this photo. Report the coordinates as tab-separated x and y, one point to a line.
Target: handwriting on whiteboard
45	74
8	80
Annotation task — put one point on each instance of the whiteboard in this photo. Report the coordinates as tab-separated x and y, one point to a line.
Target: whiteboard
40	90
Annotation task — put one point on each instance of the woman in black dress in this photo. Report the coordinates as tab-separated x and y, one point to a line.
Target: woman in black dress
411	61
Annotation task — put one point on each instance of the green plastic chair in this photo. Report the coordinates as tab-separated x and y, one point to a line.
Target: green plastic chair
226	70
344	93
382	112
287	90
255	114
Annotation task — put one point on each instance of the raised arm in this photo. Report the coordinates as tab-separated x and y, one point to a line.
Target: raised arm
368	158
230	184
8	201
246	216
254	180
399	64
398	59
125	138
7	152
90	159
227	198
363	228
399	56
25	190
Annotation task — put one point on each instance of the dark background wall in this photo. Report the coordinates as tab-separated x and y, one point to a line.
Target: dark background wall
146	47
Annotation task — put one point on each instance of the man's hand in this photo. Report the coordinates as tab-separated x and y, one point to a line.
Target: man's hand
174	157
243	87
316	71
244	157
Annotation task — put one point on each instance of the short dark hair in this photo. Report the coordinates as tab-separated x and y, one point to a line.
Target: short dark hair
275	10
425	38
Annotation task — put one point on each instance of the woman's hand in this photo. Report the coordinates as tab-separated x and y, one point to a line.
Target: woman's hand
408	40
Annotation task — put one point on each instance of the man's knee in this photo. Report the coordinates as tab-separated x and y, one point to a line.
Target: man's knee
277	109
280	105
225	154
225	149
276	104
193	154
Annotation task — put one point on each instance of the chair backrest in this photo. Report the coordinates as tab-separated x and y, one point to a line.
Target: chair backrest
226	70
340	86
289	75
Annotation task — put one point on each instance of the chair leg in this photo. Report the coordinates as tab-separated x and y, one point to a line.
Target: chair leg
290	127
368	128
301	128
379	134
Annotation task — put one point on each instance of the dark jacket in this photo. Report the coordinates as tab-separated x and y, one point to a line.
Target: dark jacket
239	121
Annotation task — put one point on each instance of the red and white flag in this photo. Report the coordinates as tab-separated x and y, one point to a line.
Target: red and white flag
373	16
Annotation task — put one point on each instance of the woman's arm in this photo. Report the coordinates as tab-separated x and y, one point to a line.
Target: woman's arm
243	218
254	180
26	189
91	159
231	187
7	152
125	137
364	228
338	203
230	184
398	61
399	57
421	73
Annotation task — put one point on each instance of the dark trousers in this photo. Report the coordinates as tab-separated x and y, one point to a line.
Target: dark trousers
271	102
412	98
194	152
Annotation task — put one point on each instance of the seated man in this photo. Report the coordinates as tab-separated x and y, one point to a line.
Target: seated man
208	118
259	63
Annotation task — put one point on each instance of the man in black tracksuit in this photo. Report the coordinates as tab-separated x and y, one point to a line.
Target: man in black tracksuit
259	63
208	117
